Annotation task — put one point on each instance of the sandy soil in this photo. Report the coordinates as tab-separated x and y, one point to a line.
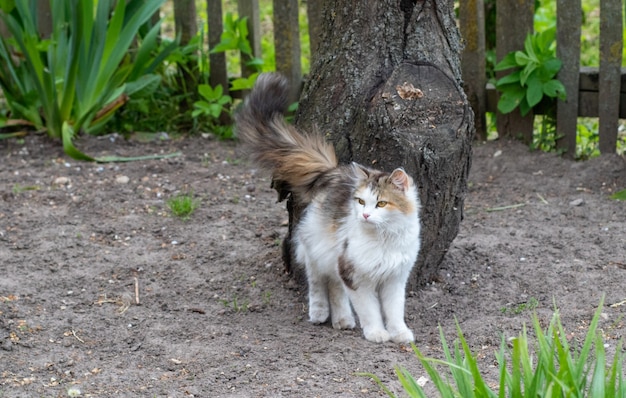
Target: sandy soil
104	292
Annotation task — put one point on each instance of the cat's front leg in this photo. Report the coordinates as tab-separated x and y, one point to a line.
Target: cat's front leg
365	302
392	298
340	310
319	307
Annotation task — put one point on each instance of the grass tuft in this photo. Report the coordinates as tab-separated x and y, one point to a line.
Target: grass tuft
183	205
547	366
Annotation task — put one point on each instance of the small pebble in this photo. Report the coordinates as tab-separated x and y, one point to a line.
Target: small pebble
61	181
576	202
122	179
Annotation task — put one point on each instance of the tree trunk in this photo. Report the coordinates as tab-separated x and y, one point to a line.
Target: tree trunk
386	90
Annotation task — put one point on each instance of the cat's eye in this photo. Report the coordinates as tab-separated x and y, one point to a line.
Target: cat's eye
361	201
382	203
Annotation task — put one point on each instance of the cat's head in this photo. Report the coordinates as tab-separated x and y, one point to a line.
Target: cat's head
383	198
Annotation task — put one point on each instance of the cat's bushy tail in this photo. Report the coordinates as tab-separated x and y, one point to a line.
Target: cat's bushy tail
297	159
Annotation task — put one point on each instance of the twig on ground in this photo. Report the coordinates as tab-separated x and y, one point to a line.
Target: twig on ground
515	206
615	305
543	200
77	338
136	291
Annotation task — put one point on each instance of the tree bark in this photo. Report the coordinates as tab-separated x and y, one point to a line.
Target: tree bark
386	90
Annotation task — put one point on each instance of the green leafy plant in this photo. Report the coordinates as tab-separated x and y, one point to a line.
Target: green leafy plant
235	38
215	103
182	205
533	75
92	63
548	368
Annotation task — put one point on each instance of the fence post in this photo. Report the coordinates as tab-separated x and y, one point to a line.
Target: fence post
287	44
472	24
568	25
44	19
250	9
217	61
514	21
610	73
186	26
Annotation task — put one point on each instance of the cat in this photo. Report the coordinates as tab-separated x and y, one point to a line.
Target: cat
359	233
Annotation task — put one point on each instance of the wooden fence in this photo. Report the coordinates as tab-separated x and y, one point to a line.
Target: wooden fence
595	92
286	37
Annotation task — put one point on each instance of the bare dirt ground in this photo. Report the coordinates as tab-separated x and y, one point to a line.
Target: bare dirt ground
105	293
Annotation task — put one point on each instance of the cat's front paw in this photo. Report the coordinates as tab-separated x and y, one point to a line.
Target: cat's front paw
403	336
346	322
376	335
318	315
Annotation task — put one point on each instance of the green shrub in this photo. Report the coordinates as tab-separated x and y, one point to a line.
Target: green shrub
92	63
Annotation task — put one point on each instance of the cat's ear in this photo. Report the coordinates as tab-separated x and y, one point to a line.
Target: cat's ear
360	172
400	179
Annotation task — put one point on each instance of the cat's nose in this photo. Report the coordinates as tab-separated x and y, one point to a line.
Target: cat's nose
366	216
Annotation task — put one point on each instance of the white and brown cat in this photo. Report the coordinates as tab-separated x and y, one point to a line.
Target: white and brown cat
359	234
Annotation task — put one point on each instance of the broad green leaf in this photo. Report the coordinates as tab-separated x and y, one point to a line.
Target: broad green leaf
209	93
243	83
528	70
554	89
529	49
512	78
552	66
510	99
507	62
521	58
256	62
524	108
534	92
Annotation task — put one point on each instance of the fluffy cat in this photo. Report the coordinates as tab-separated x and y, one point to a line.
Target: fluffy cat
359	234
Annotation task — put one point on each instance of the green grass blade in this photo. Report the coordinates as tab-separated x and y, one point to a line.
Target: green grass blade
27	40
68	94
68	146
459	374
598	379
409	384
589	340
442	386
479	387
112	159
113	33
